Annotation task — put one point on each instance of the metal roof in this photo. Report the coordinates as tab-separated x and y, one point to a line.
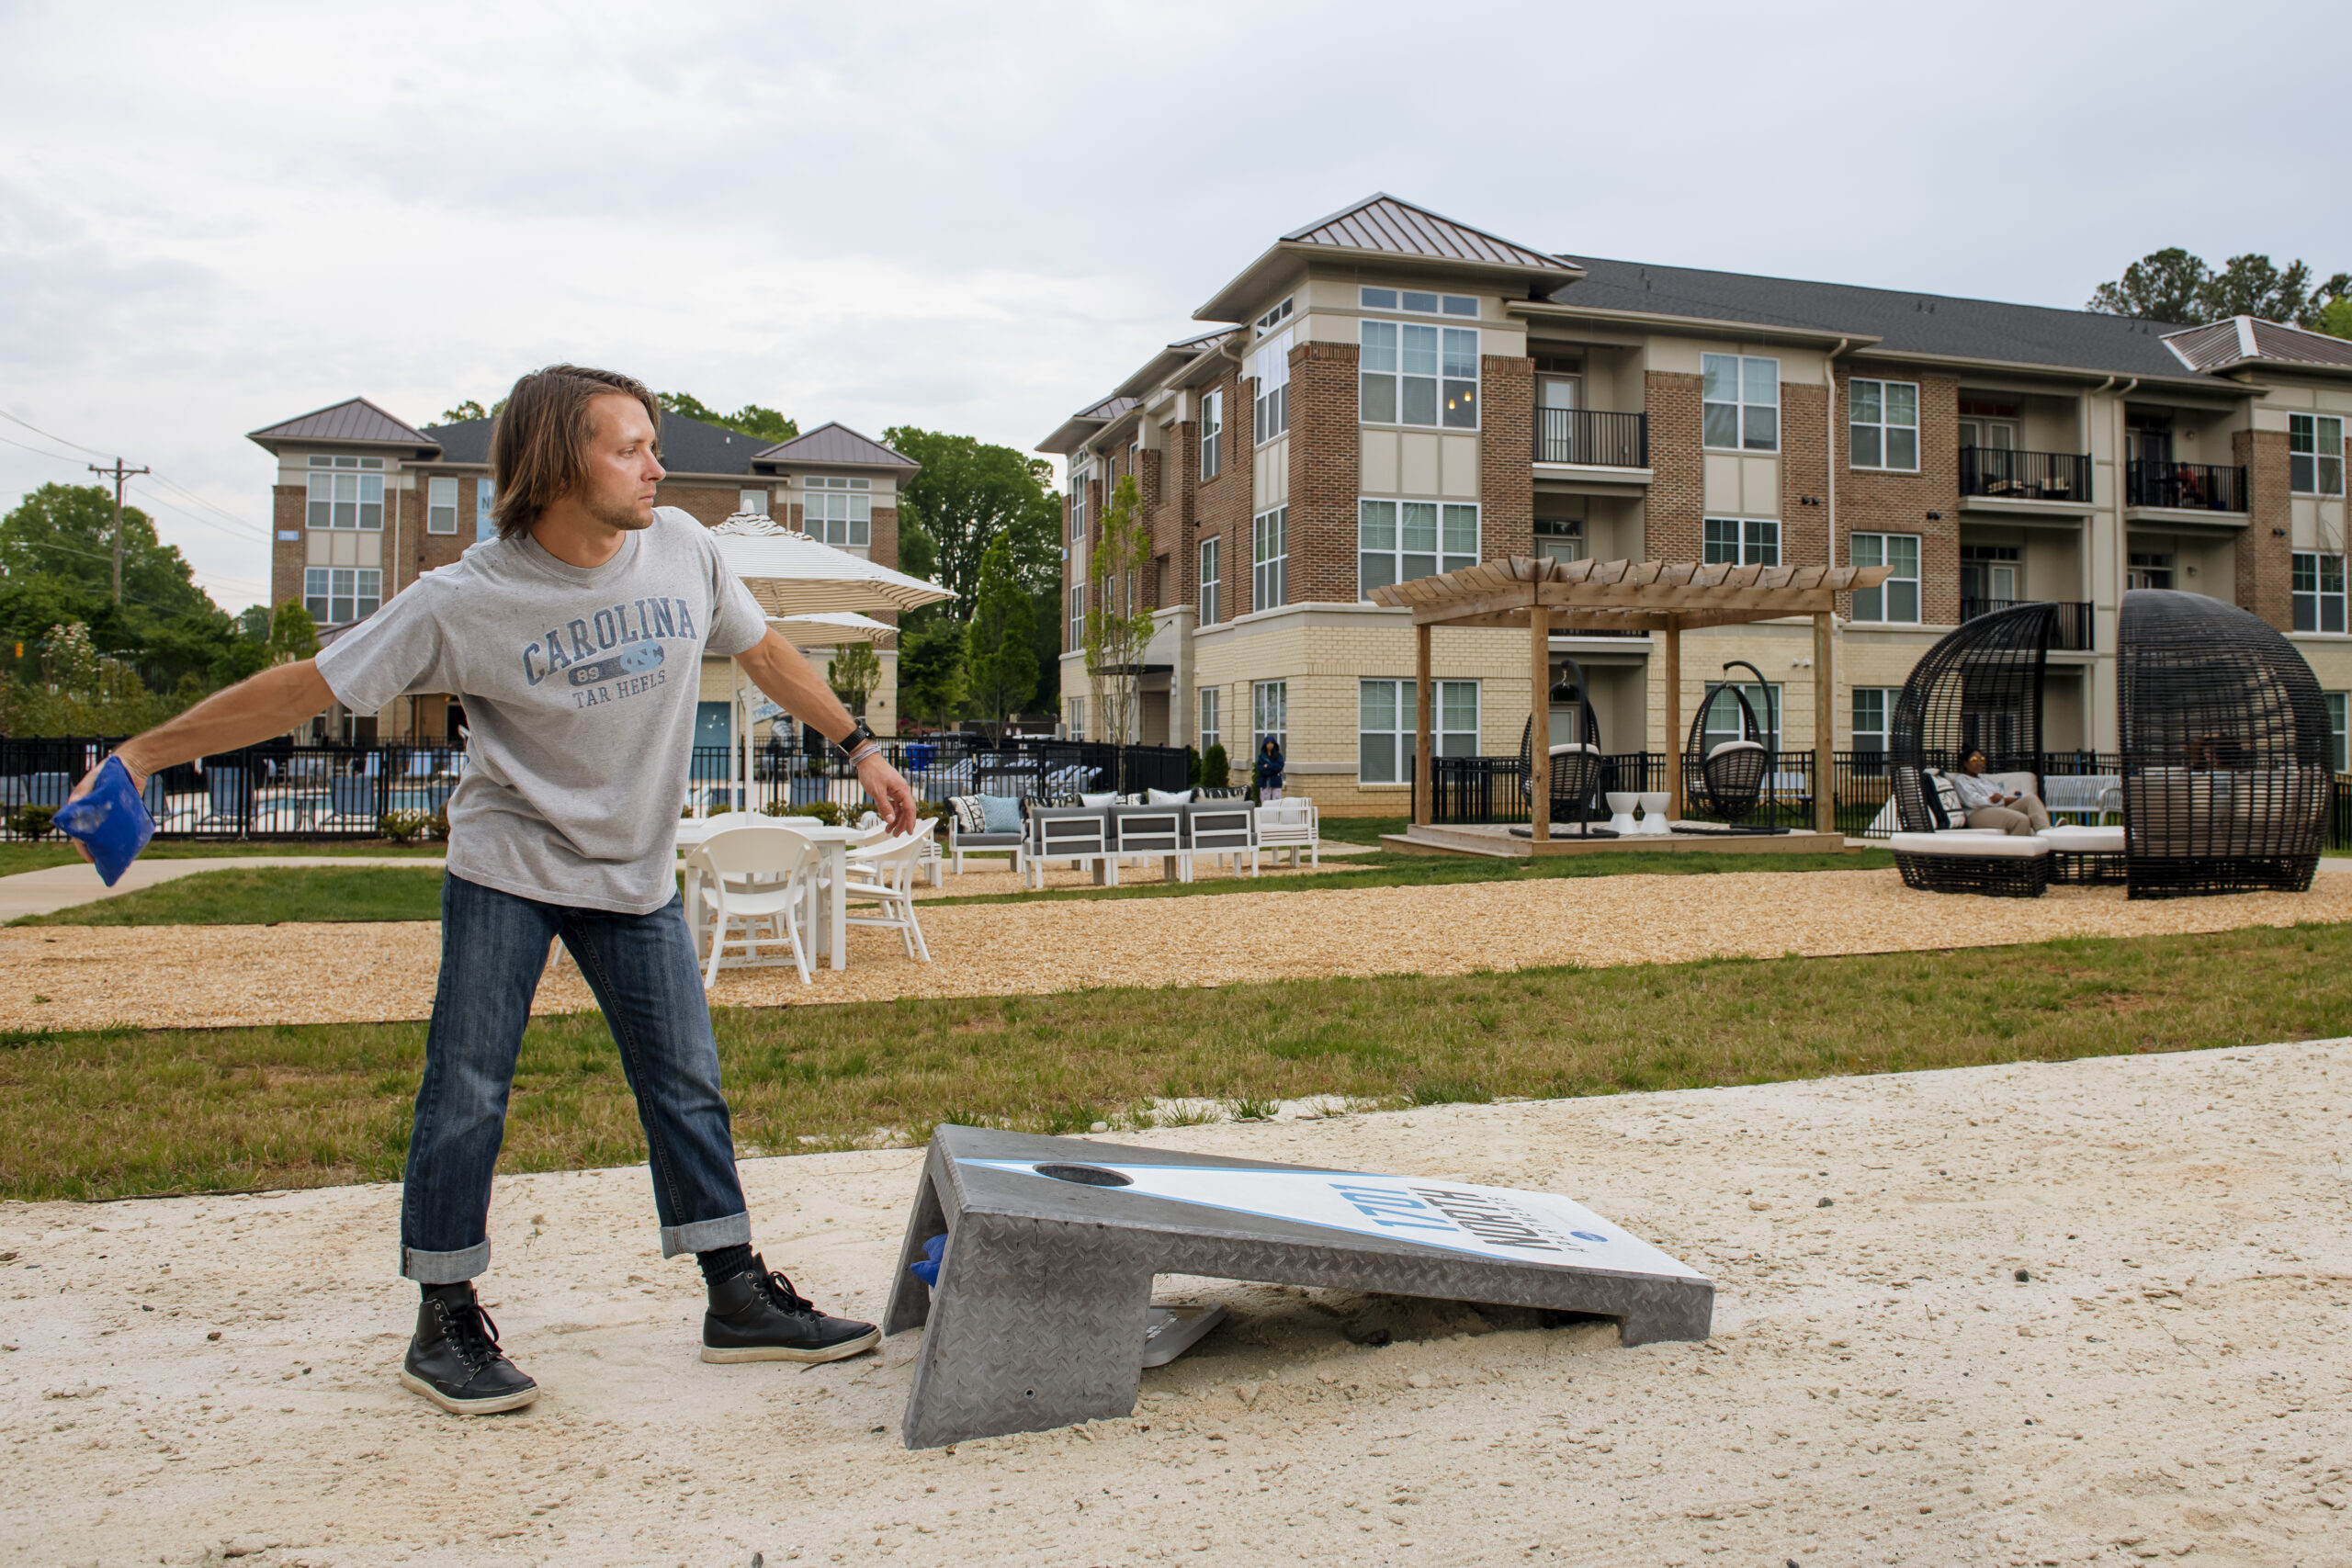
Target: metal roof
1381	222
835	442
2247	339
1904	321
353	420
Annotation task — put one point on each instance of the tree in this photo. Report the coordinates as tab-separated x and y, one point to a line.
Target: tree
966	494
930	673
2173	286
998	660
749	420
293	635
1119	619
853	674
470	409
80	691
67	531
2335	318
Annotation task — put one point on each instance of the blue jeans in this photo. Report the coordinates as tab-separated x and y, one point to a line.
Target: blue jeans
642	969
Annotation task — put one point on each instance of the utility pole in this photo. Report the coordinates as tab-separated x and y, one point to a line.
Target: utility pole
121	474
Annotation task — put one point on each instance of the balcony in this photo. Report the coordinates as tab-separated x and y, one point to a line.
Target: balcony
2001	474
1590	438
2072	633
2184	487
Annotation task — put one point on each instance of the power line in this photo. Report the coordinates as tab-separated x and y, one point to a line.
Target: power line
165	480
120	474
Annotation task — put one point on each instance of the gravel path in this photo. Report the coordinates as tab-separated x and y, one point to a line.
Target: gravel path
2169	1378
168	976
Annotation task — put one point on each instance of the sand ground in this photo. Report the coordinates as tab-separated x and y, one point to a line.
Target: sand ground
2093	1312
90	977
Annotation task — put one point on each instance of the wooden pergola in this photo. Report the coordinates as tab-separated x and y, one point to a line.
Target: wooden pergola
1663	597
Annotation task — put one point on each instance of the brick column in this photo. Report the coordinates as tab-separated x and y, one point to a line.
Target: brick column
1506	458
1325	467
1677	507
2266	550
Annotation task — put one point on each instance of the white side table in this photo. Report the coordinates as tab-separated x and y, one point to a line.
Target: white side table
1654	812
1621	812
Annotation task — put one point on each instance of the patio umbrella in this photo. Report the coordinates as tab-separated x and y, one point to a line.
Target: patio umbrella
823	631
793	577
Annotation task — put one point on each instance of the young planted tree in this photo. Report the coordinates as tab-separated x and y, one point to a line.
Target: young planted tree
999	660
853	674
1118	618
293	634
930	673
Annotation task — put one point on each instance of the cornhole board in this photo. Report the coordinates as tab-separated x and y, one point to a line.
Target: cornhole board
1037	1319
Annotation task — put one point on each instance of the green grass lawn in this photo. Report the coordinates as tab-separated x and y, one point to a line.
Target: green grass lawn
255	896
42	853
107	1113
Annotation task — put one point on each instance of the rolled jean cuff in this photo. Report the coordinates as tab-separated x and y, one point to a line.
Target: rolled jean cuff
735	1230
446	1268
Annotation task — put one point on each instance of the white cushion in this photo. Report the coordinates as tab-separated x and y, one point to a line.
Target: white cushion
1736	745
1976	846
1567	747
2083	841
1168	798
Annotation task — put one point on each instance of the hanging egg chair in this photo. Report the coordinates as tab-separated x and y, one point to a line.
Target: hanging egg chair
1726	780
1577	765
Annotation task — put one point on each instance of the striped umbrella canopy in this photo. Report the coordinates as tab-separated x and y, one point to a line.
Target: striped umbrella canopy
824	631
791	574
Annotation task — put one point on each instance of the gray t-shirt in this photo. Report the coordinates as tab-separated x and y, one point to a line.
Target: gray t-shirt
578	686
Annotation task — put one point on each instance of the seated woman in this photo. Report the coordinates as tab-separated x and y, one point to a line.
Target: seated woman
2018	816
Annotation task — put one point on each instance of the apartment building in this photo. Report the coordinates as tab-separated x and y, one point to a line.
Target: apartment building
365	503
1387	393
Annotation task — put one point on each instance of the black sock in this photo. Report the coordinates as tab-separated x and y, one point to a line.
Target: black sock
723	1263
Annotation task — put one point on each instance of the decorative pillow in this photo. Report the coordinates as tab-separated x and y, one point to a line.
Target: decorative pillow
1168	798
967	813
1943	803
1000	813
1220	793
1108	798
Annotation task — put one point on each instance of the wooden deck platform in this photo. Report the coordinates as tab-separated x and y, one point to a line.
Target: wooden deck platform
1498	840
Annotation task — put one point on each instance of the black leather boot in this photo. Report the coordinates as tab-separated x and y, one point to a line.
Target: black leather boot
454	1360
756	1316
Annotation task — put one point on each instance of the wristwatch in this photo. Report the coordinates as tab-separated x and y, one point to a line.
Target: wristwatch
858	736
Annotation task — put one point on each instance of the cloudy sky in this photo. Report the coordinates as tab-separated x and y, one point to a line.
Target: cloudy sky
977	217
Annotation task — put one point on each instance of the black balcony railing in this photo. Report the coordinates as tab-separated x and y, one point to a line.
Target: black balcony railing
2190	487
1593	437
2025	475
2073	632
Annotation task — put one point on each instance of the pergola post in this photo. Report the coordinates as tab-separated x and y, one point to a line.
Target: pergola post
1825	729
1539	742
1673	722
1424	797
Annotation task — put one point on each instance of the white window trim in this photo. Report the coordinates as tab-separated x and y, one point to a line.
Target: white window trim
1210	583
441	516
1883	425
1211	434
1885	599
361	576
1270	566
1269	408
2318	455
1208	720
1260	692
1886	695
1273	319
1368	298
1397	377
855	530
2339	721
1750	550
2319	595
1402	738
366	474
1442	559
1740	362
1076	616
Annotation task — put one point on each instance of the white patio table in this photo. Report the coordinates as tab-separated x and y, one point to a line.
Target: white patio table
828	929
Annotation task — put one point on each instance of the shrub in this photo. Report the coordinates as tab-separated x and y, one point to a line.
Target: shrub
437	824
1191	767
401	827
1216	771
32	821
824	811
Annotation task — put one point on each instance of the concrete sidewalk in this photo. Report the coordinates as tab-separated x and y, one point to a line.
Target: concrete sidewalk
59	887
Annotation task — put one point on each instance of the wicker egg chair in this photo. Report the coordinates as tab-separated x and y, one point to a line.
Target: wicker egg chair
1725	781
1577	765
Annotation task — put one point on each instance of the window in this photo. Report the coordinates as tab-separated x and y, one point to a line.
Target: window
1423	304
1871	707
837	511
1883	424
1078	718
485	503
347	495
1212	730
1898	599
1270	559
1386	726
1270	714
1743	541
755	502
1270	416
440	505
2337	704
2315	454
2148	569
1724	721
1398	541
1077	504
1410	374
2319	593
1212	580
1076	616
1211	433
1559	539
1988	423
1988	578
1741	405
338	595
1273	318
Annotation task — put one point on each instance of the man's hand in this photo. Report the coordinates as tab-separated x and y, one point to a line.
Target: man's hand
891	795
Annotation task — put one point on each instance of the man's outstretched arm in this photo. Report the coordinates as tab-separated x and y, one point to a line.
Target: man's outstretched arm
777	668
254	709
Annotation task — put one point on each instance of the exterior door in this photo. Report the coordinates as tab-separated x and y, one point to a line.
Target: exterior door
1555	422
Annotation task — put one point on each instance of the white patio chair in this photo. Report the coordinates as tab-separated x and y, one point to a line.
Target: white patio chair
750	876
1290	825
883	874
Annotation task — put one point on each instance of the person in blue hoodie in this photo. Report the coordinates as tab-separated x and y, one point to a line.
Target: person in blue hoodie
1269	771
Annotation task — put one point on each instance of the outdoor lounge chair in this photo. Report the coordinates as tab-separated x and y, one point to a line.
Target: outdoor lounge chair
1291	825
963	838
1078	834
1223	827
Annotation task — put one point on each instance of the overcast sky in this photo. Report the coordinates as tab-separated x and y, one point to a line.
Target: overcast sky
975	218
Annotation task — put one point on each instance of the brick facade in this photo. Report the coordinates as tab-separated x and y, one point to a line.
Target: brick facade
1325	471
1878	501
1221	505
1678	494
2265	547
1506	453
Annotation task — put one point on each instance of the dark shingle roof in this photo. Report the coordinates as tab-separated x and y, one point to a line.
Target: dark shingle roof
1903	319
688	445
836	443
354	418
1381	222
2249	340
467	440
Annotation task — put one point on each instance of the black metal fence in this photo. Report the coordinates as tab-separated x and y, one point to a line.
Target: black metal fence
2025	475
2188	487
1592	435
282	791
1494	789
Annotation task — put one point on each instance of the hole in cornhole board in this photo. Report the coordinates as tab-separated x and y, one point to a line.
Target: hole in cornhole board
1084	1175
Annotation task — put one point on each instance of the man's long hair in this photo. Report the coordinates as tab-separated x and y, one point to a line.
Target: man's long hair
538	447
